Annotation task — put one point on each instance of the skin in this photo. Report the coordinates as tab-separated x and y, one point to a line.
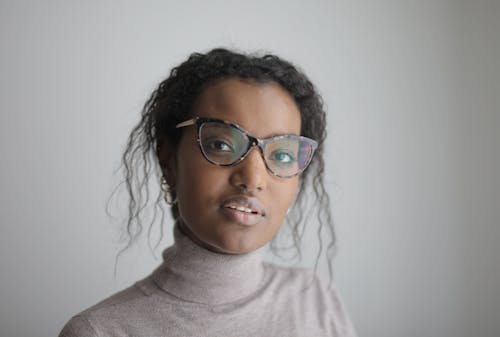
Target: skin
264	110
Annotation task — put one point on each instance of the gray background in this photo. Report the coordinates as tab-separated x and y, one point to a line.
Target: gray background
412	89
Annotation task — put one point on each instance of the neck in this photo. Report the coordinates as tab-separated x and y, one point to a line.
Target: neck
196	274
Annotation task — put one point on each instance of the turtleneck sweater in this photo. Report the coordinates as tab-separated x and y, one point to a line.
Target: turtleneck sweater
196	292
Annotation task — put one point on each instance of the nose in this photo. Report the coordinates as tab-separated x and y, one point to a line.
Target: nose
251	173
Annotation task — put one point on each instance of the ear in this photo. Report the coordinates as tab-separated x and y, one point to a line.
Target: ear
167	160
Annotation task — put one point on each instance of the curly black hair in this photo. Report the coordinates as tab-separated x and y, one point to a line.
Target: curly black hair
172	103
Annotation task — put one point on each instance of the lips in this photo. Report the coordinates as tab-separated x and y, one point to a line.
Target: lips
245	204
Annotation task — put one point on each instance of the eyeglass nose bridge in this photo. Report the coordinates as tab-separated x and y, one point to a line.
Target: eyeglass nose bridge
260	144
254	142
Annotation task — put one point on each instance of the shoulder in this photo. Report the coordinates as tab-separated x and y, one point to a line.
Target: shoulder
294	279
110	311
78	326
303	290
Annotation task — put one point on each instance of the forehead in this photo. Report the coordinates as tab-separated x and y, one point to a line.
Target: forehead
264	109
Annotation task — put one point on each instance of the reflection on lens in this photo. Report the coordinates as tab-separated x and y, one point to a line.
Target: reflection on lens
222	144
305	154
282	155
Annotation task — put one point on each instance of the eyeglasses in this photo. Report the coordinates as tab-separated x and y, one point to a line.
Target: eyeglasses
225	144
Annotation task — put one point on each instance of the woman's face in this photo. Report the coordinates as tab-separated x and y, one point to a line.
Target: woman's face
208	194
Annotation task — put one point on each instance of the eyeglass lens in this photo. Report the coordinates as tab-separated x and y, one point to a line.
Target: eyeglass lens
224	144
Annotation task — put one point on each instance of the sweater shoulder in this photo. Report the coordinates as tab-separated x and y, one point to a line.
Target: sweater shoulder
87	322
303	290
140	290
78	326
292	277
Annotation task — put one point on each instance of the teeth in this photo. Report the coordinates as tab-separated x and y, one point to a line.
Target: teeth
242	209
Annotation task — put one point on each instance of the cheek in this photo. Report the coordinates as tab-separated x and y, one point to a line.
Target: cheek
198	181
189	168
283	194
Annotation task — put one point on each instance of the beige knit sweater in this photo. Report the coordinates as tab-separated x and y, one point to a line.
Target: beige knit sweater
196	292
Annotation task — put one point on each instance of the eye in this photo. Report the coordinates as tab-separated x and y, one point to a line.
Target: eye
218	145
282	157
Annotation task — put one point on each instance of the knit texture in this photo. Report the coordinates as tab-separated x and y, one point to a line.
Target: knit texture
196	292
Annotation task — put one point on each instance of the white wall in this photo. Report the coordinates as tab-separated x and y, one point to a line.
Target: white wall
412	89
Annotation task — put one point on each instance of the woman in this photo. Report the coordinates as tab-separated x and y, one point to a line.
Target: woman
232	135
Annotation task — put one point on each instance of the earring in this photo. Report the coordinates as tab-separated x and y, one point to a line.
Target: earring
167	192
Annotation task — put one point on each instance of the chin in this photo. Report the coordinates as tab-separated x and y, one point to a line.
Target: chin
227	239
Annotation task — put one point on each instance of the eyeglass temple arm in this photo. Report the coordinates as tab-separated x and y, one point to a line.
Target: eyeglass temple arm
186	123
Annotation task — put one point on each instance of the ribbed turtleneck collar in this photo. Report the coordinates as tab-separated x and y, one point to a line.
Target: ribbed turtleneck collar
195	274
